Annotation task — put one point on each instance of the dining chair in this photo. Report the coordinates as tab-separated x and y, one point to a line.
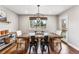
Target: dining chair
57	42
58	32
44	42
19	33
33	45
19	41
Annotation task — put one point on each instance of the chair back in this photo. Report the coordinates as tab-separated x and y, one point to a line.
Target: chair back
46	38
32	38
58	32
45	33
32	34
19	33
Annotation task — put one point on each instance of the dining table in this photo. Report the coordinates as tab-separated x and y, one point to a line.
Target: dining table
40	36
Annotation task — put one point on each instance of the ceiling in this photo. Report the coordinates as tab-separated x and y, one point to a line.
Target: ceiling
33	9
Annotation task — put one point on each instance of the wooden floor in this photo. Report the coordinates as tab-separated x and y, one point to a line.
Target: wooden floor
65	50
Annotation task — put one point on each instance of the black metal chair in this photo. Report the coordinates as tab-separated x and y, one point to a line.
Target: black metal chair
33	43
44	42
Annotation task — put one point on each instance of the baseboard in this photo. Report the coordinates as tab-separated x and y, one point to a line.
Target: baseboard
76	48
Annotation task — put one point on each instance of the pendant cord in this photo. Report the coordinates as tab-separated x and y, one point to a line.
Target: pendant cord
38	10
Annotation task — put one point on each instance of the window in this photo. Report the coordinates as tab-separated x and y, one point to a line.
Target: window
34	22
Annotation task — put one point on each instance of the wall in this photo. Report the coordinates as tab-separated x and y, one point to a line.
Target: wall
12	17
24	24
73	29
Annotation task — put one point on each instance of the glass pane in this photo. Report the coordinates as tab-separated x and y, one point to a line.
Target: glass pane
38	23
43	23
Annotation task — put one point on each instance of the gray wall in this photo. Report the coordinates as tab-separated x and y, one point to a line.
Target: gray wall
12	17
24	24
73	26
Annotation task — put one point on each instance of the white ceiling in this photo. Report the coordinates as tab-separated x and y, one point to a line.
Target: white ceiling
33	9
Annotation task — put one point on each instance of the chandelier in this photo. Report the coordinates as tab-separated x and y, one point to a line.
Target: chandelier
38	19
38	14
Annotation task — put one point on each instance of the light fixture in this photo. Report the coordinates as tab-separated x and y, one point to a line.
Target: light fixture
38	19
40	15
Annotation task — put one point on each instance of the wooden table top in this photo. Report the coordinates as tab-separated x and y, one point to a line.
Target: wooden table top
23	36
52	35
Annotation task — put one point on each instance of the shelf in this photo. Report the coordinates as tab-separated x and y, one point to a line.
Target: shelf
5	35
5	45
5	22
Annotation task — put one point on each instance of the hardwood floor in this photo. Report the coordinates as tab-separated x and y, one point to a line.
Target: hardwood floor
9	49
65	50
